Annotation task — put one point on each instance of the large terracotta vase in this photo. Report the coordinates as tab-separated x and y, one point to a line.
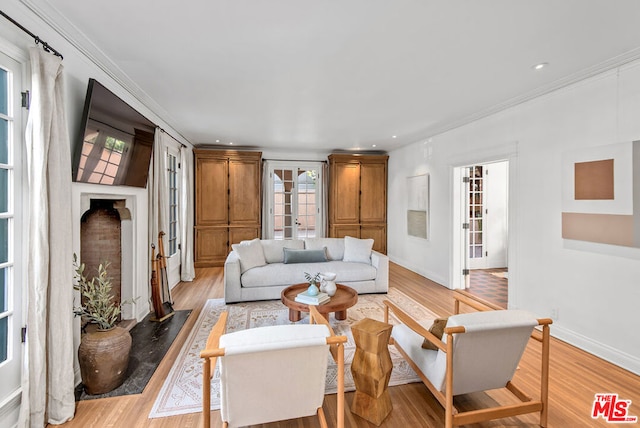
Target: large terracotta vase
104	356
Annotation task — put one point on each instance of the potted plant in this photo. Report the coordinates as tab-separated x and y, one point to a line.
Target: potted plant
104	349
314	281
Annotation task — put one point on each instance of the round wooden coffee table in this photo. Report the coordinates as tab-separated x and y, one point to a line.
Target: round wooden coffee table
344	298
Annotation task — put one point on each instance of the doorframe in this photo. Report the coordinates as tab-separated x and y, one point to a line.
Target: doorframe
507	152
17	62
270	165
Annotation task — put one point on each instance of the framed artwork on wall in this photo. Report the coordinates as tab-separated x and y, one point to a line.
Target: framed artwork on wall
418	206
600	194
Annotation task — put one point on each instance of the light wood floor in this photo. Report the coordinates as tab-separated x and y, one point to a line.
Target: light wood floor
575	377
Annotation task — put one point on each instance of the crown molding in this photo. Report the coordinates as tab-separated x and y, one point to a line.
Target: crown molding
572	79
59	23
70	33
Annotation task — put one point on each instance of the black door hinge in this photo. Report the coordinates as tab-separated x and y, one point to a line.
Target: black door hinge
23	334
466	272
26	99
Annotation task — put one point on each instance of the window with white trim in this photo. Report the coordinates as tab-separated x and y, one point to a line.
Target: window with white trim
172	171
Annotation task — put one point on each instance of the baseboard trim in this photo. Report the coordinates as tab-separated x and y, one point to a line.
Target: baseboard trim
607	353
10	409
420	271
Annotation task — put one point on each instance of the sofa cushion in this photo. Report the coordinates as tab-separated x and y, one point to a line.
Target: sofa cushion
334	246
250	254
357	250
277	274
273	248
304	256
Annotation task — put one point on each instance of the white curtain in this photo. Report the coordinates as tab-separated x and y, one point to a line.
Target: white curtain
48	375
267	195
158	190
324	213
187	272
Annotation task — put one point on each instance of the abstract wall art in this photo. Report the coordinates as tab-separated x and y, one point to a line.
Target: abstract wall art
418	206
601	194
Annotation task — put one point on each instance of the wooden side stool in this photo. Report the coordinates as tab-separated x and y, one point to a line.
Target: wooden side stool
371	369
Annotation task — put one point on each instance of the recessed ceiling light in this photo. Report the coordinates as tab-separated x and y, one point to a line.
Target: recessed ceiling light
540	66
373	145
217	141
394	136
230	142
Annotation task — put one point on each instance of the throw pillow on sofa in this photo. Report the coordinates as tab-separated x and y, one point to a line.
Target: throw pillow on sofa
273	248
357	250
333	246
250	254
304	256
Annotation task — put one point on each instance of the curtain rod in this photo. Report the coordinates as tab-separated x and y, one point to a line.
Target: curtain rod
177	141
46	46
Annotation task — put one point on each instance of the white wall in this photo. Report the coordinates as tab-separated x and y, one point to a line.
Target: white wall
594	287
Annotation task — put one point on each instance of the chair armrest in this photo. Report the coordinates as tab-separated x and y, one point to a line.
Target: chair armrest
316	317
232	281
212	349
336	347
210	354
381	263
413	325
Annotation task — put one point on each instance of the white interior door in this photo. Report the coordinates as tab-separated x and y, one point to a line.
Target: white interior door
496	214
487	215
11	231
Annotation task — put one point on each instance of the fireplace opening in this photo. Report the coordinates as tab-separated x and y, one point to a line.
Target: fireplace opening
101	241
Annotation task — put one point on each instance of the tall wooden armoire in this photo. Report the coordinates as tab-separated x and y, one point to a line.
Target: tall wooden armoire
358	197
227	202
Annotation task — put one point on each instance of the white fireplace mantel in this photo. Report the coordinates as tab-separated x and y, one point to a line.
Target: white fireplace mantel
135	249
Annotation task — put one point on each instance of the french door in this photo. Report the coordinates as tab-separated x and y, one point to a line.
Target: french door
172	252
11	251
486	223
294	200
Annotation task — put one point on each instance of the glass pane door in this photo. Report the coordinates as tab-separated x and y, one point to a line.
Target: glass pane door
476	195
295	202
172	238
11	268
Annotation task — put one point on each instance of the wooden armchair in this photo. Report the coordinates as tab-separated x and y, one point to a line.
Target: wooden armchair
272	373
479	351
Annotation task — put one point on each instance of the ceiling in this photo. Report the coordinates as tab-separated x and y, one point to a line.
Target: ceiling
342	75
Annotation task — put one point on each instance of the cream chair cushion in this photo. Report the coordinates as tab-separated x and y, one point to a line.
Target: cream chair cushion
485	357
273	373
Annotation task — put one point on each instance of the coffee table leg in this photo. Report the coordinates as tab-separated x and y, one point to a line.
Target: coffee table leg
294	316
341	315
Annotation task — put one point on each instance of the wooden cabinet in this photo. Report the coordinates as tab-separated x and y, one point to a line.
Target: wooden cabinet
227	203
358	197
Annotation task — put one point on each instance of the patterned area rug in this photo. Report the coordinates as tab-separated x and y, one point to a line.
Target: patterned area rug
182	390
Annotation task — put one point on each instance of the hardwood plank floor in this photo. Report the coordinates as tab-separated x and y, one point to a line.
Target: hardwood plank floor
574	380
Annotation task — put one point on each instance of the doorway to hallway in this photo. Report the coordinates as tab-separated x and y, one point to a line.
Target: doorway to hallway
484	236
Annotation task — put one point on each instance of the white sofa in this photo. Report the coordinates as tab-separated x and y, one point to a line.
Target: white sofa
256	270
